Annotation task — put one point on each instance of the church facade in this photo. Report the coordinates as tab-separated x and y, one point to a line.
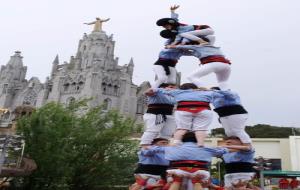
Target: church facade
93	72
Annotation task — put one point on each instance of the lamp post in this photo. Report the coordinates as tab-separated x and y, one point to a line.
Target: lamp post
219	161
261	165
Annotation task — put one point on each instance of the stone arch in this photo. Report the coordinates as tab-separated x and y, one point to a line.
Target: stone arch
80	85
107	103
66	87
116	90
73	86
104	87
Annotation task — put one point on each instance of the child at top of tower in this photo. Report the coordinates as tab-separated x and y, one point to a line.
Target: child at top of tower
201	34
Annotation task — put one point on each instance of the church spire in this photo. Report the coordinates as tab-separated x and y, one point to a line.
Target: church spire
14	69
56	60
131	62
16	60
55	64
130	67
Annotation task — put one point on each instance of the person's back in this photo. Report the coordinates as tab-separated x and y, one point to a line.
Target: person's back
190	161
152	165
232	114
158	119
294	183
283	183
225	98
192	113
191	151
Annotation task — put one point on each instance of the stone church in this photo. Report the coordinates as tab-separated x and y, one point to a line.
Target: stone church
93	72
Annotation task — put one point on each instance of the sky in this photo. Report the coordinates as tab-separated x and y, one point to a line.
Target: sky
260	37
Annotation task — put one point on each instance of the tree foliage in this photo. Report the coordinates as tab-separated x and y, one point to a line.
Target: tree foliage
77	151
263	131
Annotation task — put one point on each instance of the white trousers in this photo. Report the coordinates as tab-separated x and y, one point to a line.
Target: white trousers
222	71
195	34
199	121
234	125
205	174
165	129
233	178
162	77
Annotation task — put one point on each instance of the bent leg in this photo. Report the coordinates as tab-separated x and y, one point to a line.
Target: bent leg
183	121
196	34
202	71
223	71
211	39
152	130
234	125
172	77
201	123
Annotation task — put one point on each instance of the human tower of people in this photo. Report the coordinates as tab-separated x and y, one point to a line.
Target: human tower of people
184	114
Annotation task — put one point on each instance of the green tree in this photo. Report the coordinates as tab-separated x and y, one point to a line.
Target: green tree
77	151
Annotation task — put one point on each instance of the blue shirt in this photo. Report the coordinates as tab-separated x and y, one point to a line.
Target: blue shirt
188	95
201	51
161	98
191	151
223	98
155	155
173	54
241	156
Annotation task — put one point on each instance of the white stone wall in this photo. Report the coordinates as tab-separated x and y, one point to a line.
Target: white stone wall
295	152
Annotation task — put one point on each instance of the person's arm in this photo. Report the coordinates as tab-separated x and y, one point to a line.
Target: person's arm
173	14
152	150
105	20
187	47
89	23
191	49
218	151
238	147
150	92
171	92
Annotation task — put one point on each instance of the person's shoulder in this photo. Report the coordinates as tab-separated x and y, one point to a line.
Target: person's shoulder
214	148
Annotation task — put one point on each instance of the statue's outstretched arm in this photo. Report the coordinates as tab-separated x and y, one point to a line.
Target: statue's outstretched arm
89	23
105	20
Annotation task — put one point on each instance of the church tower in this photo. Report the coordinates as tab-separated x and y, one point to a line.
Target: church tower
94	73
12	78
